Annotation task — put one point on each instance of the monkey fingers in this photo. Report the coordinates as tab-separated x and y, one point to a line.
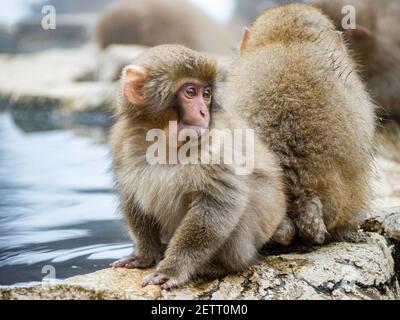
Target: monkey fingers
132	261
310	224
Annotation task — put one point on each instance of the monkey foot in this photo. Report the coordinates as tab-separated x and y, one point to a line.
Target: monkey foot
314	233
131	262
285	233
310	225
161	279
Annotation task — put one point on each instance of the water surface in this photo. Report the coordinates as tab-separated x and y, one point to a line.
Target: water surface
57	206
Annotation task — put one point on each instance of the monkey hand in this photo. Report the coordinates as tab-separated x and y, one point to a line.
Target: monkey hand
135	261
166	275
161	279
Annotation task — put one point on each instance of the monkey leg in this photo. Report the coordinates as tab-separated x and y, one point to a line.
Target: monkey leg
148	247
285	232
205	229
237	254
309	222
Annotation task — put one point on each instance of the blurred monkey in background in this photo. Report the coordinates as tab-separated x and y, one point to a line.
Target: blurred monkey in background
155	22
375	46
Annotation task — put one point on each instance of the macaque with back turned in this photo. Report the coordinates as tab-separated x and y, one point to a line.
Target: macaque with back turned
295	83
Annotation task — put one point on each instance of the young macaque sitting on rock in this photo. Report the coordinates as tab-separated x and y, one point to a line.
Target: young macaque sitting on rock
189	219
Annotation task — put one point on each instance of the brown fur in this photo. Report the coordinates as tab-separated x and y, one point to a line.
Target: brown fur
379	53
294	83
155	22
210	219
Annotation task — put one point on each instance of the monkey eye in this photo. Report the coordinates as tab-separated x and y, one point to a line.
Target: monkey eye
190	91
207	94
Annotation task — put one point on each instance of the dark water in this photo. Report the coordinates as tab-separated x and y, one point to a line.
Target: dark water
57	207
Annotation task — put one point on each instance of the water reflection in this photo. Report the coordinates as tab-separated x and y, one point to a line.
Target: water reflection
56	205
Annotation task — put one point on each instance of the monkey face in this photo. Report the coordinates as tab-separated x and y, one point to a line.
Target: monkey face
190	106
193	106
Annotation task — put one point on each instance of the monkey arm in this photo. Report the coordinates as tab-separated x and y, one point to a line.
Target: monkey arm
207	225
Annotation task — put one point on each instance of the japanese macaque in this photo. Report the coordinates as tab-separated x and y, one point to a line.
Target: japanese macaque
155	22
374	41
188	219
294	82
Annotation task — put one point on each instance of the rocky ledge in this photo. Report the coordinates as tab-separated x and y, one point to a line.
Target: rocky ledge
336	271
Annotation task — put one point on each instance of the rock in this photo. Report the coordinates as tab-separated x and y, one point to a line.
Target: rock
335	271
391	225
45	69
385	222
43	87
69	97
385	218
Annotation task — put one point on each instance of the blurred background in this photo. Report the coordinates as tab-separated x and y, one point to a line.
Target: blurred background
57	205
20	19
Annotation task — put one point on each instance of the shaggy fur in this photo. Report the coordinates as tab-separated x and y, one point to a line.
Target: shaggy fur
211	220
294	82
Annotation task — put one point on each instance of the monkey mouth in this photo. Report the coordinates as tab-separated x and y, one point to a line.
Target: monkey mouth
199	130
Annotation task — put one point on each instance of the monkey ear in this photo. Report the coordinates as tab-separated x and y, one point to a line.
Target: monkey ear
360	33
245	39
134	78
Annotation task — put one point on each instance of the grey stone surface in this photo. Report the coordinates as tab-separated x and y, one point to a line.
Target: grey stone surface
44	86
28	35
